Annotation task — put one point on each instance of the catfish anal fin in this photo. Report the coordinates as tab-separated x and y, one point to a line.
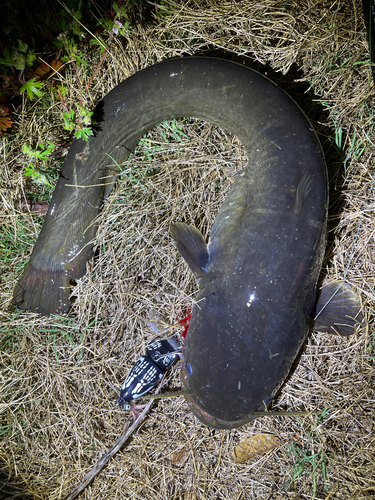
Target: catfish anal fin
191	245
340	315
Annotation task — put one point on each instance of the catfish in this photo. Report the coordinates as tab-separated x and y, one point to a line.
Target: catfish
258	273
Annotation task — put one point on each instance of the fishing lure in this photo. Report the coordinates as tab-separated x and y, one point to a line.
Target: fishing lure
160	355
149	369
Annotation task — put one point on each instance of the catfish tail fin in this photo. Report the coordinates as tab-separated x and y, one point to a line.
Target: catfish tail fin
45	290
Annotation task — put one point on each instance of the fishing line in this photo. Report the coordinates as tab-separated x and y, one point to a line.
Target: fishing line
257	413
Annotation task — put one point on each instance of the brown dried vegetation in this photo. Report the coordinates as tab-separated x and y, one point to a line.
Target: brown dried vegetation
60	376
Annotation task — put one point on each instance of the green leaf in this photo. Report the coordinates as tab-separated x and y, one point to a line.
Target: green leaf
32	88
69	120
99	41
27	150
80	61
40	152
83	133
8	29
19	61
8	59
36	176
22	46
30	58
86	115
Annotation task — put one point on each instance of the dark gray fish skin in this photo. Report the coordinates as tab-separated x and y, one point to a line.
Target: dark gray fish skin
369	15
226	93
256	299
257	293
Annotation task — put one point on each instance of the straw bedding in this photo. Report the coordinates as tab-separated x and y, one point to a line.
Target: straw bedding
60	376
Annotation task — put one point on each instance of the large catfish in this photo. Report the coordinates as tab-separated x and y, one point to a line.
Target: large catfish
257	275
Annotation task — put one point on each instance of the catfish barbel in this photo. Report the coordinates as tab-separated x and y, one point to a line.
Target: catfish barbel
257	275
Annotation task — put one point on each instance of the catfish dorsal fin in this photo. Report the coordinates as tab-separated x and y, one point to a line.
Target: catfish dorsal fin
191	245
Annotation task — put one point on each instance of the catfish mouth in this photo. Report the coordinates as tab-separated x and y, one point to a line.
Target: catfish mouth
211	421
205	417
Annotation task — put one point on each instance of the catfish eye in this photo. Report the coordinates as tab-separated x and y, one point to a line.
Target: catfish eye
186	371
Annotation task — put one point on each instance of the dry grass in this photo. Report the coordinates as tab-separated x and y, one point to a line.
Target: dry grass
60	376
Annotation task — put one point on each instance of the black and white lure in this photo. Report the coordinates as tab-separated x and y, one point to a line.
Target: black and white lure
161	354
149	369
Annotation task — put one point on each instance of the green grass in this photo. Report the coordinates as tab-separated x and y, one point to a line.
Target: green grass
308	462
310	459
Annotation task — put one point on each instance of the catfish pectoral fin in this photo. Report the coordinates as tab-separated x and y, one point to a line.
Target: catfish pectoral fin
43	290
191	245
338	310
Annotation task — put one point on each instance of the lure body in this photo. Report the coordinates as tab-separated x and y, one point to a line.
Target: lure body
149	369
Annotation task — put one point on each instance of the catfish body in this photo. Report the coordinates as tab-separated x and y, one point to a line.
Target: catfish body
271	127
257	293
259	272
